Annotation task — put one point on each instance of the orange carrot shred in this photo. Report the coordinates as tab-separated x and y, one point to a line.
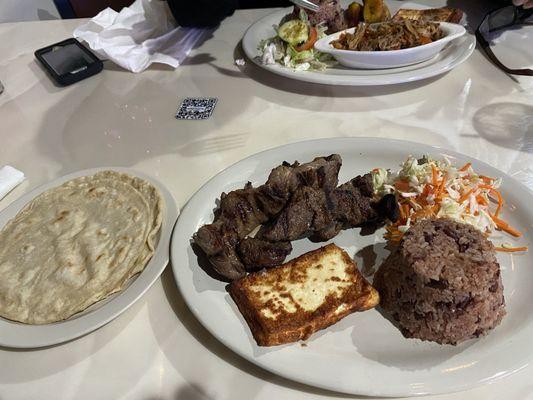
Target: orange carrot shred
498	195
402	186
441	188
510	249
465	167
504	226
434	175
481	200
406	210
402	213
486	179
466	195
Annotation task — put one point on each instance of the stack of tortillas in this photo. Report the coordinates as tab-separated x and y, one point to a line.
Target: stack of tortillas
75	245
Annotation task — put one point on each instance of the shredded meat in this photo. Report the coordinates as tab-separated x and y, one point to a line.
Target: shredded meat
389	36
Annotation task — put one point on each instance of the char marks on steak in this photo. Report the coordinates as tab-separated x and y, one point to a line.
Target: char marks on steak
305	213
257	254
242	210
322	215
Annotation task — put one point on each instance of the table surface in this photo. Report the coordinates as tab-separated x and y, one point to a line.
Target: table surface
157	349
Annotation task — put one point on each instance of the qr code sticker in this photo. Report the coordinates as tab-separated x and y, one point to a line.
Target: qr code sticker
196	108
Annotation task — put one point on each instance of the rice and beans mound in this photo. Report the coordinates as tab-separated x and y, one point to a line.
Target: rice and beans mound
442	282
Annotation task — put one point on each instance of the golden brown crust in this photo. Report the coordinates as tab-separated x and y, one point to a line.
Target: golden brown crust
444	14
354	293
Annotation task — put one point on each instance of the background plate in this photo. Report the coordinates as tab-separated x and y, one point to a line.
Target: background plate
363	353
14	334
451	56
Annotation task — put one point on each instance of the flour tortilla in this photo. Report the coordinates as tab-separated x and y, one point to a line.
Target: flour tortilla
75	245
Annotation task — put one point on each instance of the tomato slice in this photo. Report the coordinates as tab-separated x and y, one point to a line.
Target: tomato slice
313	35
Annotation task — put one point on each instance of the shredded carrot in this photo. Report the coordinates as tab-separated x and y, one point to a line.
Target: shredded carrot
402	213
504	226
486	179
465	167
498	195
481	200
500	202
441	188
466	195
434	175
510	249
375	170
402	186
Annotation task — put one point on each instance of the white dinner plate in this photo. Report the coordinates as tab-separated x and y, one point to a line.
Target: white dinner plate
451	56
18	335
363	353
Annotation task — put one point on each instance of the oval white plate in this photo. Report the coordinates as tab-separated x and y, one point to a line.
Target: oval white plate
14	334
393	58
451	56
363	353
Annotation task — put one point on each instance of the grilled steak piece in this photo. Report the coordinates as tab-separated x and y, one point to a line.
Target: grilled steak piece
306	212
352	202
228	263
257	254
242	210
322	215
388	207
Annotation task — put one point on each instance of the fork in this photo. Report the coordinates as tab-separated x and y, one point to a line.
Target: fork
307	4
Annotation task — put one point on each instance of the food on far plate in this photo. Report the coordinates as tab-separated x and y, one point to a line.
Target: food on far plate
293	44
75	244
428	188
297	201
375	11
389	36
330	14
444	14
291	302
354	14
442	283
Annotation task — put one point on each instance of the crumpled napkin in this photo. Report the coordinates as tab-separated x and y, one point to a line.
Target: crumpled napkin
9	178
139	35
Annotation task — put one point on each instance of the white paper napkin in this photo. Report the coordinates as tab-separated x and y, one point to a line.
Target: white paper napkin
139	35
9	179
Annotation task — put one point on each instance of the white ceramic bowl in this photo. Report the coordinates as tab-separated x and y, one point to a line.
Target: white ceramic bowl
391	58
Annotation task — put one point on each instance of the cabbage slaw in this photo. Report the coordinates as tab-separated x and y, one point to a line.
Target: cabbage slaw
428	188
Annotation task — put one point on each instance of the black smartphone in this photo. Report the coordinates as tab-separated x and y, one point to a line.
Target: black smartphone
69	61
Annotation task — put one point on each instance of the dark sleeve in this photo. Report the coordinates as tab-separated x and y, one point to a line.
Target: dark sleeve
201	13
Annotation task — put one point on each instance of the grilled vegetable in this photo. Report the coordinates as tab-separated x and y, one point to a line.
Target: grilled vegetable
354	14
375	11
294	32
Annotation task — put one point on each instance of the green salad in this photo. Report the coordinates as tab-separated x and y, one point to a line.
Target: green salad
293	46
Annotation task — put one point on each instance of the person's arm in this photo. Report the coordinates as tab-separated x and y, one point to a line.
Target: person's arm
523	3
201	13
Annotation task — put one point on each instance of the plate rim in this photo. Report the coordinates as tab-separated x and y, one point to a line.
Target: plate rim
31	336
465	46
175	257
